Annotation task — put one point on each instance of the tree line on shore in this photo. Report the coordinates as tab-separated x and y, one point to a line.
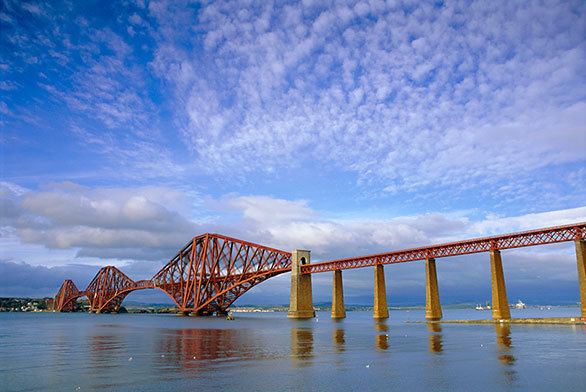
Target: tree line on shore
25	304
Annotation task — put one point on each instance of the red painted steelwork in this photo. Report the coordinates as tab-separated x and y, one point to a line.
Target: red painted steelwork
507	241
65	298
212	270
108	289
207	275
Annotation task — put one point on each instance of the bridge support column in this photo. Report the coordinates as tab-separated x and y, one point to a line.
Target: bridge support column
433	309
338	310
581	259
301	305
500	304
381	310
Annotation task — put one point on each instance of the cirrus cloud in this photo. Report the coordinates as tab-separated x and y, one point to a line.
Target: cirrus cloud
405	96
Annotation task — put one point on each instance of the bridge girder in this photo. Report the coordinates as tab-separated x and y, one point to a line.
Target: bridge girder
67	296
212	270
207	275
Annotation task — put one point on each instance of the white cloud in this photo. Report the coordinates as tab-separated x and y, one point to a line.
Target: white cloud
33	9
267	209
404	99
291	225
154	222
455	96
135	223
128	226
496	225
103	77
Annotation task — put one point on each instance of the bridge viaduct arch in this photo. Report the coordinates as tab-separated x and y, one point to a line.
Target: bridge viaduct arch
207	275
212	271
493	245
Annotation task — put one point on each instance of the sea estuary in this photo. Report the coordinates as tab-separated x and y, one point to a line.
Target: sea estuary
267	351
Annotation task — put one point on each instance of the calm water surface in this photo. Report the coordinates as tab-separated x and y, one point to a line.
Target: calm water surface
136	352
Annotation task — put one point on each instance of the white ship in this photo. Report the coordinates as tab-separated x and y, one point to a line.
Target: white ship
520	305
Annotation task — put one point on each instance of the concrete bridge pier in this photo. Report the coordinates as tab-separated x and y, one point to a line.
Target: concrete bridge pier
500	304
581	259
381	310
301	304
433	309
338	310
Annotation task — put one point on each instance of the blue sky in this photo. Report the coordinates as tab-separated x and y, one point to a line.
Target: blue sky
128	127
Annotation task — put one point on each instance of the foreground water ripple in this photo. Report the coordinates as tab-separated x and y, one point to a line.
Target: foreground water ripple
76	352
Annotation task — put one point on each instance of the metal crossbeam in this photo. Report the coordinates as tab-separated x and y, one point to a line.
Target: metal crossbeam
213	270
207	275
515	240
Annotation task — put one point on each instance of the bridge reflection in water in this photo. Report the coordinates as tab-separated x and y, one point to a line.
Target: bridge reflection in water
504	350
302	345
503	340
212	271
339	340
193	348
435	338
194	352
382	337
103	346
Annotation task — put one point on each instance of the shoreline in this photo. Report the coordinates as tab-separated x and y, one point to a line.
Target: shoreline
544	320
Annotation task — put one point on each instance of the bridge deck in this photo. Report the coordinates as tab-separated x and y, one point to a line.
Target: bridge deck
212	270
507	241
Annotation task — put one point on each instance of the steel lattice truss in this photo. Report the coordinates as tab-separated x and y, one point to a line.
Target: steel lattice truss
108	289
210	272
65	298
207	275
507	241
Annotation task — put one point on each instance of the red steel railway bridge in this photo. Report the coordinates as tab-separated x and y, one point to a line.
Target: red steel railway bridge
213	270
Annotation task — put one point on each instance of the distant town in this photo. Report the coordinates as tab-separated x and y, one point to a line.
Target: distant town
25	304
46	305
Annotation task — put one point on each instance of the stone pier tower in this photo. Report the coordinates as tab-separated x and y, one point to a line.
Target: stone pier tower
301	305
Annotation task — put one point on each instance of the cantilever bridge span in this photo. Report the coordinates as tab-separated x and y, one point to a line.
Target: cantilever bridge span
207	275
213	270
